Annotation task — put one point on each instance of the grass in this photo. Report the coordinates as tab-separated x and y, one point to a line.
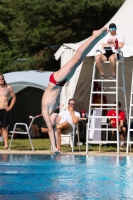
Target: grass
44	144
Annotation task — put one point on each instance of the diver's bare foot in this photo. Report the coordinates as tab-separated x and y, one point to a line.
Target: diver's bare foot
6	147
55	152
101	32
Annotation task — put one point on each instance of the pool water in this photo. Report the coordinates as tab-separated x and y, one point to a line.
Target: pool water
65	177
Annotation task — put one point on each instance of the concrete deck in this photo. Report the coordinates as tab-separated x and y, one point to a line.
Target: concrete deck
48	152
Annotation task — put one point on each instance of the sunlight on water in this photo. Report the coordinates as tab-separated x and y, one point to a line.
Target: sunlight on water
65	177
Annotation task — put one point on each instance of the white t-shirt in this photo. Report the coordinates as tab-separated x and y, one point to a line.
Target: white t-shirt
66	116
120	38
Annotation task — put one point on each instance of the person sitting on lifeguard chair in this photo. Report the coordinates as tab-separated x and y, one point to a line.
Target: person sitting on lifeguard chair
114	41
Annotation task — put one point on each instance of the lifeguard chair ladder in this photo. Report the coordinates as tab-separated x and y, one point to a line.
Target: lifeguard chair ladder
109	106
129	142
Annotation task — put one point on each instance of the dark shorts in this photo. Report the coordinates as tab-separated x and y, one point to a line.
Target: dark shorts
124	125
70	129
108	55
4	118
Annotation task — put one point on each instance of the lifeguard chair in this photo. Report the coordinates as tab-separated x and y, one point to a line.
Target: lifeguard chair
108	87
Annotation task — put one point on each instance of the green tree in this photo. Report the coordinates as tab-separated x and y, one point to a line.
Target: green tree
32	25
6	15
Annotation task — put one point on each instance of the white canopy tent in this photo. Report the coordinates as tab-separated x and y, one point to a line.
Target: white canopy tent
20	80
79	85
29	87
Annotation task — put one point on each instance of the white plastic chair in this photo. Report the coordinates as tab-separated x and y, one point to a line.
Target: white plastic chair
27	132
1	139
69	138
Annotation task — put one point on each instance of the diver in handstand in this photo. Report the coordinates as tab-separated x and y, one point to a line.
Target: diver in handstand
57	80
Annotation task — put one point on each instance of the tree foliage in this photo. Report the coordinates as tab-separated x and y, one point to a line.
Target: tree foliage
27	27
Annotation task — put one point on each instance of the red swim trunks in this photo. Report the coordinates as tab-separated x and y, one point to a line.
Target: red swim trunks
52	80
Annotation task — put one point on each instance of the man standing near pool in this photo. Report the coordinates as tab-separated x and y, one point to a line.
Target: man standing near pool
5	90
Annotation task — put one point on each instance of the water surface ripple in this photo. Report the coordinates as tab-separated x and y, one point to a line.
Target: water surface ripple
66	177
